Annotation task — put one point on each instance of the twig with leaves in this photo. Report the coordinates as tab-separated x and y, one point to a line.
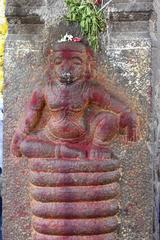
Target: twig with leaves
90	17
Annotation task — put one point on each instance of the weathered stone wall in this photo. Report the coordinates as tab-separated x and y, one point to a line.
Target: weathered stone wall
126	55
128	47
155	36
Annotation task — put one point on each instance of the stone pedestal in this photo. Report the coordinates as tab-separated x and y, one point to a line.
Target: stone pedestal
74	199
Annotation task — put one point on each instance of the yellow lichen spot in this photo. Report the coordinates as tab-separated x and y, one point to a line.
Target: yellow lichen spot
1	48
1	87
1	74
3	35
3	29
1	61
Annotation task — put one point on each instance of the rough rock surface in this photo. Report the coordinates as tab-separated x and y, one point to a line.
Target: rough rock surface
155	36
127	54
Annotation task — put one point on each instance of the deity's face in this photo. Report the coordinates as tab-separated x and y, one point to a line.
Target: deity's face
68	66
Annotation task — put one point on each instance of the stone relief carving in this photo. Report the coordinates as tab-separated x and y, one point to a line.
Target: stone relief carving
74	173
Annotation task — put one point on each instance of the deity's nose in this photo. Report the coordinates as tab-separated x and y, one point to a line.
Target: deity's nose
66	74
66	68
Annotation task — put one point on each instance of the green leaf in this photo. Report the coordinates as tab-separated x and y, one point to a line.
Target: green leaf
82	23
92	22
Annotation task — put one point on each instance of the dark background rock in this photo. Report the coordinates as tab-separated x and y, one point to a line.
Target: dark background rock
130	54
155	36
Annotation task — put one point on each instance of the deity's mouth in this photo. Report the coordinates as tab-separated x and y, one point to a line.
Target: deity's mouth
66	78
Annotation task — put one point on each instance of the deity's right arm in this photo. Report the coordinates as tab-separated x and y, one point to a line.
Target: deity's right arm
31	118
33	112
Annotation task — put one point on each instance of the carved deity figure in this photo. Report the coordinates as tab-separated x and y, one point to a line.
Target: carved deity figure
84	117
73	200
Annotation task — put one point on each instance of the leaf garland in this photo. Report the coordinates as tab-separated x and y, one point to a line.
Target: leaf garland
3	35
91	20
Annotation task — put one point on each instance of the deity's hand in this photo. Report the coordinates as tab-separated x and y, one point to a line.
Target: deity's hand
128	121
16	142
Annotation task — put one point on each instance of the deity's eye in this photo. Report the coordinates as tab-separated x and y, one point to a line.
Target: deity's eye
58	60
77	61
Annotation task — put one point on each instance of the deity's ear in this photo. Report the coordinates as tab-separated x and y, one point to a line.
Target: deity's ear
50	74
50	52
50	55
91	63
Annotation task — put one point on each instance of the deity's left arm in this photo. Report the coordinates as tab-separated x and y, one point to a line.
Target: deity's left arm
127	118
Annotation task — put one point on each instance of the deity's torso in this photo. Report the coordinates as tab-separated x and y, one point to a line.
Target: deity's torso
68	105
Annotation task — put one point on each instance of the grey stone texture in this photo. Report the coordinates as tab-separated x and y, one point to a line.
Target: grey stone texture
130	54
155	36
